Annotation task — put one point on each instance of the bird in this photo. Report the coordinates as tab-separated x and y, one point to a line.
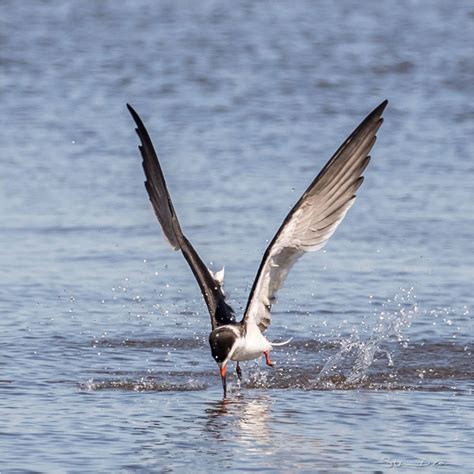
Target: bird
307	228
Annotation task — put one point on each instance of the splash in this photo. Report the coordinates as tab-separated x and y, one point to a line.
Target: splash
357	353
141	385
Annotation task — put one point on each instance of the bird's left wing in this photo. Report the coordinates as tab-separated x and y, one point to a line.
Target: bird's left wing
210	284
314	218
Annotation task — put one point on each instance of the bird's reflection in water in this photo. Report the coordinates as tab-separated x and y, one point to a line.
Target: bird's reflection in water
241	419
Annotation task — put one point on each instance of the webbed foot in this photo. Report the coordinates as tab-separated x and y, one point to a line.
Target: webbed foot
267	359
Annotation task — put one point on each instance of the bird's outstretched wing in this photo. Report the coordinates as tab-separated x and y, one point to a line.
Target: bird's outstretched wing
221	313
314	218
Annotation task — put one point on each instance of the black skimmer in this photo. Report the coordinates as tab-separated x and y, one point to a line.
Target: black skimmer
306	228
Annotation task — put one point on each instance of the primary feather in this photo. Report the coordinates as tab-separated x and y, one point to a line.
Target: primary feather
211	287
314	218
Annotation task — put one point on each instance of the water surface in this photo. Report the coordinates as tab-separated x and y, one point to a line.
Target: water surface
104	364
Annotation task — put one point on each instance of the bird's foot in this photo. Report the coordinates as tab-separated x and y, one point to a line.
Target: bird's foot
267	359
239	372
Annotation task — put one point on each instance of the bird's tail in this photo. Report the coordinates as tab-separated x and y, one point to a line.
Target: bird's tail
276	344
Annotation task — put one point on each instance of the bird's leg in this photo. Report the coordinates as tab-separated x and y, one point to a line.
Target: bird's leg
267	359
239	372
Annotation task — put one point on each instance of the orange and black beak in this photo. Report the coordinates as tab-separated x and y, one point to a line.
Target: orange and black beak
223	370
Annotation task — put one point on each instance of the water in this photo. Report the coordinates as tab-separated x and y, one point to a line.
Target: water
104	364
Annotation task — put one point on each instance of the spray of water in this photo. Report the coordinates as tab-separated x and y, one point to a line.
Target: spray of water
358	352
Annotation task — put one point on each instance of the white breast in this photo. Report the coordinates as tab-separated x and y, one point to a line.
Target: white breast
252	346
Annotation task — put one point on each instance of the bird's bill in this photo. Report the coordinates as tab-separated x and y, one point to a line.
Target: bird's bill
223	371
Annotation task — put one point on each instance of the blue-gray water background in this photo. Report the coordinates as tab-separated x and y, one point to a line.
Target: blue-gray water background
104	364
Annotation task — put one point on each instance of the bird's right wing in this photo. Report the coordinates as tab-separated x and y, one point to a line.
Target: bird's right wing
221	313
314	218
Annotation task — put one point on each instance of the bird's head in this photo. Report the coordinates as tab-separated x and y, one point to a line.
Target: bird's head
222	341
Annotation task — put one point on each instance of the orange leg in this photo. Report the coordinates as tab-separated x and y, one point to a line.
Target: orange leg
267	359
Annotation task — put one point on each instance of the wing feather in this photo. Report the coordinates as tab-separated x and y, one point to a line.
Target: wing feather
221	313
314	218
